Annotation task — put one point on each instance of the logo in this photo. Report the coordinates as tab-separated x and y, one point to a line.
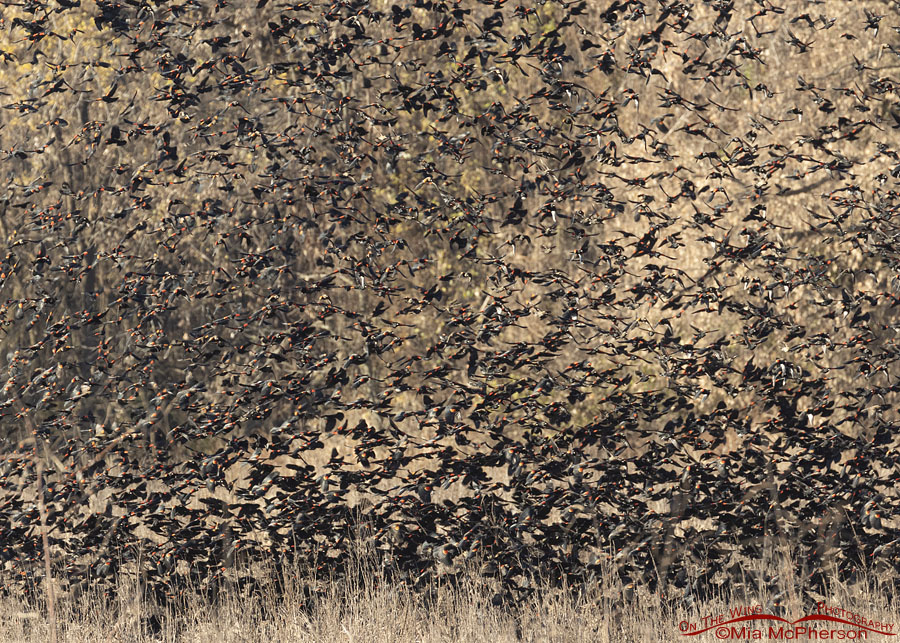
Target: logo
748	623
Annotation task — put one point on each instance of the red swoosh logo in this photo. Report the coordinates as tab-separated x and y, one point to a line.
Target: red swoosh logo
772	617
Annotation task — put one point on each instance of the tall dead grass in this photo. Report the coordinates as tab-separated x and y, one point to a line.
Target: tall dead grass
365	606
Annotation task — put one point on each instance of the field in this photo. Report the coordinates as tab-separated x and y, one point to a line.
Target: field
455	607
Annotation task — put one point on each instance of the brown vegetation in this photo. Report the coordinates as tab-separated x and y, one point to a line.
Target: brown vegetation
367	607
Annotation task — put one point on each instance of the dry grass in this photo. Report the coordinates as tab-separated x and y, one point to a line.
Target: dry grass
460	607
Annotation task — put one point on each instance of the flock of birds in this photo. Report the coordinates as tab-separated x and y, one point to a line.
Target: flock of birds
554	291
